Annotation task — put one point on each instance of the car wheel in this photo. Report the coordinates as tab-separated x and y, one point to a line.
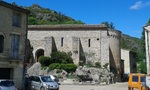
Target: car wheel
42	88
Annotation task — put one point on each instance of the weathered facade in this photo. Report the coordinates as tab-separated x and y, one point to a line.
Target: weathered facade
147	46
13	35
87	43
129	61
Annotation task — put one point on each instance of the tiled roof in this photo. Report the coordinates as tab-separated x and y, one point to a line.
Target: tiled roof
5	4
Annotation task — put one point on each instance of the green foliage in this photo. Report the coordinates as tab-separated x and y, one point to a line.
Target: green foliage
148	21
45	61
54	66
106	65
32	21
142	67
61	57
109	25
98	65
41	16
67	67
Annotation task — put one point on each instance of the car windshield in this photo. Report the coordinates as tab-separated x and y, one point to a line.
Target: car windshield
46	79
7	83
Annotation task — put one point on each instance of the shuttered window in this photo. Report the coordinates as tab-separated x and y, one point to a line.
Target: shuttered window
15	39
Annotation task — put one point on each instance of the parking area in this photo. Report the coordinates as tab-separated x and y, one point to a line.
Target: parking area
117	86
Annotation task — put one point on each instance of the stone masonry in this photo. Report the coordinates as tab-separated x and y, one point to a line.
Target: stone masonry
87	43
12	57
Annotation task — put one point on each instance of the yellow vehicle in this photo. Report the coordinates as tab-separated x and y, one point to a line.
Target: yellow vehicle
137	82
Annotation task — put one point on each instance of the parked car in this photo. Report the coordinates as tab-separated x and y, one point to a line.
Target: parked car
54	78
6	84
43	83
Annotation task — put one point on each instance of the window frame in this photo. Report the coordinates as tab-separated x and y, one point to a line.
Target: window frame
16	19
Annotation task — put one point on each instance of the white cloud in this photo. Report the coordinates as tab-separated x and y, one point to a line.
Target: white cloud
139	5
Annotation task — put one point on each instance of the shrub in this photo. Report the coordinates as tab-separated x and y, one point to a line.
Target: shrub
98	65
106	65
61	57
67	67
45	61
54	66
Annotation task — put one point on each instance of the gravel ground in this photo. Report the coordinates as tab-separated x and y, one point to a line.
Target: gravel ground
117	86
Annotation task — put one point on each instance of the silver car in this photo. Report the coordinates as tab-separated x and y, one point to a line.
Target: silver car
43	83
7	84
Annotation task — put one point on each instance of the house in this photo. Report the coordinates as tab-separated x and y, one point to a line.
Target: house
129	61
13	36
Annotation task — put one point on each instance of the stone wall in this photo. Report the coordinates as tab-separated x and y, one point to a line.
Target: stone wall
90	43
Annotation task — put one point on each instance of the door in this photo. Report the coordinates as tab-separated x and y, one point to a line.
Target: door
5	73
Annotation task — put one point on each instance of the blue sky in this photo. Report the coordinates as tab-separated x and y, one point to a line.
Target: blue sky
128	16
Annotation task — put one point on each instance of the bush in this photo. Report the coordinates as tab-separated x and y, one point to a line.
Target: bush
45	61
54	66
61	57
67	67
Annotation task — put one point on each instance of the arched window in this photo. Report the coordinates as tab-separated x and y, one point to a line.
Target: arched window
1	43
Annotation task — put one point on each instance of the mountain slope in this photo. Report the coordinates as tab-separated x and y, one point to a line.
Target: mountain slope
40	15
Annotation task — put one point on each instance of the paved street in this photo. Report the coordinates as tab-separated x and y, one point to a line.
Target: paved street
117	86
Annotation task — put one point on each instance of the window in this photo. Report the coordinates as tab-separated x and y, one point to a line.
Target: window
15	40
89	42
134	78
1	43
16	19
62	41
143	79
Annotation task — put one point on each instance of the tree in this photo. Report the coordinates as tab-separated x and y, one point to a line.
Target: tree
109	25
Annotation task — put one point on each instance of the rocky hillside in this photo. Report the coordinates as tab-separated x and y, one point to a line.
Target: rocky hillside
132	43
40	15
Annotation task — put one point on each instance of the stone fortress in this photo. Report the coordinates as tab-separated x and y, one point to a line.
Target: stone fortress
86	43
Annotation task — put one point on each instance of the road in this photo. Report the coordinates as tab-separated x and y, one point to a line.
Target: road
117	86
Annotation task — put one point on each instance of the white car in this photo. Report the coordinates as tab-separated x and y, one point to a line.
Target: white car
43	83
6	84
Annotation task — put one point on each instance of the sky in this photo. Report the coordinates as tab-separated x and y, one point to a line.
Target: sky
128	16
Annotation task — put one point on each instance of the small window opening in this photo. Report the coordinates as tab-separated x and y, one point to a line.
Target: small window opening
89	42
62	41
1	43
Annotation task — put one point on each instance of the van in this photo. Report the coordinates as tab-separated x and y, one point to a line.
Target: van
137	82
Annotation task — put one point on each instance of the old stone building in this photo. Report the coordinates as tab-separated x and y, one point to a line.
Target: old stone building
13	35
87	43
